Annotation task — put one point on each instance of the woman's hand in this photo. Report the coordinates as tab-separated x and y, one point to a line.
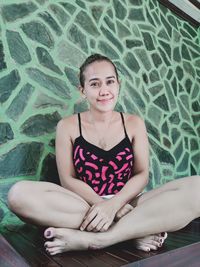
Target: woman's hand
100	216
123	211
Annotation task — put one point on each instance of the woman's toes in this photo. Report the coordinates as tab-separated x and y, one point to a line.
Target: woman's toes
49	233
163	235
148	247
52	244
143	248
53	251
148	243
156	243
47	244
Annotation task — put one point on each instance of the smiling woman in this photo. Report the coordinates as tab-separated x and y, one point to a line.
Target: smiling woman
99	83
103	162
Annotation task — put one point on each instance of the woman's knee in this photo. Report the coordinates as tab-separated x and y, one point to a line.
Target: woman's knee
17	195
193	184
192	189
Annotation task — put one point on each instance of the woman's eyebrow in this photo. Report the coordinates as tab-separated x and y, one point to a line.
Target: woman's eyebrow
93	79
96	79
110	77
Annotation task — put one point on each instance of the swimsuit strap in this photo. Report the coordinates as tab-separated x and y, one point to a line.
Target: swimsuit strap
123	123
79	124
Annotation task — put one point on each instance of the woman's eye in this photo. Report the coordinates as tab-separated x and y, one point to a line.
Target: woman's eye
110	81
94	84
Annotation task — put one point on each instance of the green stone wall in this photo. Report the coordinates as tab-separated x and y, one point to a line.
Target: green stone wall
42	44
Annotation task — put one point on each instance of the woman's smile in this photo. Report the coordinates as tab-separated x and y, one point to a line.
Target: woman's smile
105	101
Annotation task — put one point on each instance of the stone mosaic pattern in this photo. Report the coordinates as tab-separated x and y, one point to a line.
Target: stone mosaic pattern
42	44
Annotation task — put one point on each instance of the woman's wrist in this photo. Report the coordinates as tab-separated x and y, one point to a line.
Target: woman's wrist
117	203
95	200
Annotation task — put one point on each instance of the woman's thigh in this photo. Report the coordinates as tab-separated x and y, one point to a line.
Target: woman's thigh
39	188
180	183
45	203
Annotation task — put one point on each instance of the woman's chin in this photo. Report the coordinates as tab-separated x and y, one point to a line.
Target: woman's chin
106	106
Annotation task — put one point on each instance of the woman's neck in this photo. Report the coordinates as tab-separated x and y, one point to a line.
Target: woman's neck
100	117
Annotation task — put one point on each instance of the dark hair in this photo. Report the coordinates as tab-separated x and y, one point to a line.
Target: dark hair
90	60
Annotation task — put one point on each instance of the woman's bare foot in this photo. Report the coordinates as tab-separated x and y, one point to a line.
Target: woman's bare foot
63	239
151	242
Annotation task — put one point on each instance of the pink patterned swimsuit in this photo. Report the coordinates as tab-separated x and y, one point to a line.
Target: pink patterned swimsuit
106	172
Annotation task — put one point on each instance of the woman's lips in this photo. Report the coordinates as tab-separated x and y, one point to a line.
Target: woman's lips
104	101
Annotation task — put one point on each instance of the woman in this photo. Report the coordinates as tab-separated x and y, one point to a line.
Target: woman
103	160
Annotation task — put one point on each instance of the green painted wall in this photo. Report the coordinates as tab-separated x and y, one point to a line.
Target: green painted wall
42	44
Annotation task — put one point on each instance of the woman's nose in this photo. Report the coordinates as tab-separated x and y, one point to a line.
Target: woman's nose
103	90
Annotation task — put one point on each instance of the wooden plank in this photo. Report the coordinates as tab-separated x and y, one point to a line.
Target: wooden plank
112	259
113	256
8	255
186	256
87	258
28	251
136	253
193	227
68	260
35	236
29	242
185	238
122	250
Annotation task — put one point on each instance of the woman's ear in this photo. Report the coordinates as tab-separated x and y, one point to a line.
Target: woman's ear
81	89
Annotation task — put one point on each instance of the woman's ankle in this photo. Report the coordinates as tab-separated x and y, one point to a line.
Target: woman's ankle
101	240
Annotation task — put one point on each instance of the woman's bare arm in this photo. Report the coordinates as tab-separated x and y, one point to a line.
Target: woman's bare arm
65	166
137	183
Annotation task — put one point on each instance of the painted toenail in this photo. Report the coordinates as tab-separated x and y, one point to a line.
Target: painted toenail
164	235
48	233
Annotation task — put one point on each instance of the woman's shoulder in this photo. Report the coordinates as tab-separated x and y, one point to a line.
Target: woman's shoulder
67	120
133	118
67	123
134	124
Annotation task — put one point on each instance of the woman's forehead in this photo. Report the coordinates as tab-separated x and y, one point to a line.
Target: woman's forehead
100	69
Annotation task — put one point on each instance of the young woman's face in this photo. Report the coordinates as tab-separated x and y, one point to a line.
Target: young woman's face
101	86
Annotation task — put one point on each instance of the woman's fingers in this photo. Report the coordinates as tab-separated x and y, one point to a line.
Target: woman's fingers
98	212
105	227
94	223
88	219
99	226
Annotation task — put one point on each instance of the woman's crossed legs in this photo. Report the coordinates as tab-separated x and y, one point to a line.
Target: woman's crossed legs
167	208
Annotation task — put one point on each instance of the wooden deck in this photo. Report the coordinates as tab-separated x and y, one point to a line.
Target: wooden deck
24	247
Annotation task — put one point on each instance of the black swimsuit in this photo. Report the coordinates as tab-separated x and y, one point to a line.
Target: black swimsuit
105	171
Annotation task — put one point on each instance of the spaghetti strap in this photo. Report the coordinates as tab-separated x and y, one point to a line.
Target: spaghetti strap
79	124
123	123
